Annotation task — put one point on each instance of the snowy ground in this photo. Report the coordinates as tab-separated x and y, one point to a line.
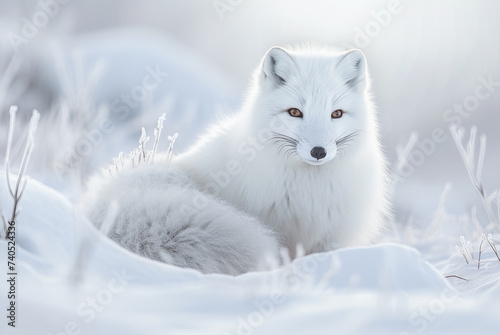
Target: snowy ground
72	279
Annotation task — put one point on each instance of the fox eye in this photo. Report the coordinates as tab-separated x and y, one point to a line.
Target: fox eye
337	113
294	112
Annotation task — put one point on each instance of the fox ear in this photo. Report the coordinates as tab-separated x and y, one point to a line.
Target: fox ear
353	67
277	67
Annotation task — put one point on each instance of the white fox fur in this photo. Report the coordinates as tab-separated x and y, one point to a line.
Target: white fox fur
259	162
152	222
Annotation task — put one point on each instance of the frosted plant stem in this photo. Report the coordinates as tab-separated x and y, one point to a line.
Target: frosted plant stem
480	251
142	144
21	181
440	215
157	133
465	248
29	146
170	150
120	158
5	229
475	173
12	113
482	151
115	164
455	276
492	245
461	253
141	155
403	153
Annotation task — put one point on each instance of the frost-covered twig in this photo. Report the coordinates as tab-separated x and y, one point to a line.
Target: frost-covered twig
12	113
142	145
480	251
403	153
439	216
5	228
473	170
464	251
492	201
18	192
170	150
492	245
455	276
141	155
157	133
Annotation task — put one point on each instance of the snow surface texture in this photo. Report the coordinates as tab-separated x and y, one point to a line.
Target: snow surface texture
71	277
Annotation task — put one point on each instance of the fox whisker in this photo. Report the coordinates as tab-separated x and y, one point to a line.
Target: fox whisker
286	144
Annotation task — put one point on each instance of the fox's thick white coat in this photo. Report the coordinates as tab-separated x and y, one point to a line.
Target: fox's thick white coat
251	185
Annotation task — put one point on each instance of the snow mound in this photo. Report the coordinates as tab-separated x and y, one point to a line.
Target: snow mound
72	280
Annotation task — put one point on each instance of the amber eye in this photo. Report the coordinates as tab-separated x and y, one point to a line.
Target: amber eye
337	113
295	112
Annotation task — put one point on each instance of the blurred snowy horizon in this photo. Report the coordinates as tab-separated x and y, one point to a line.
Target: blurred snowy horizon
426	60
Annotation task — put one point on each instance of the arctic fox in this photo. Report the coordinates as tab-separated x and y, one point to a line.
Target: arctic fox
300	164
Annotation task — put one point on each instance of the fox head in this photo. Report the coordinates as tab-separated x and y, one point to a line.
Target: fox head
315	101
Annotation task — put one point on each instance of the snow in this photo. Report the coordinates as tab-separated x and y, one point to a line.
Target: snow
66	266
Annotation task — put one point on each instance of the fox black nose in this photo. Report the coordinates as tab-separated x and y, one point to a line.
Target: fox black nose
318	152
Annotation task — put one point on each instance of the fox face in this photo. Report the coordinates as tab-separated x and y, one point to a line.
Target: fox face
317	103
